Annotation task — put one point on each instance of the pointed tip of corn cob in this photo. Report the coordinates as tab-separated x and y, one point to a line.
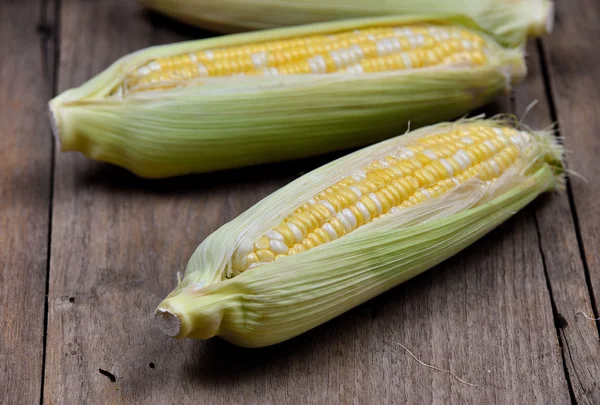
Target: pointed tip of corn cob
516	69
554	156
543	21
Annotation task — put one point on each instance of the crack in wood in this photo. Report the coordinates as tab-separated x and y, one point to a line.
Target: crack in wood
50	44
559	320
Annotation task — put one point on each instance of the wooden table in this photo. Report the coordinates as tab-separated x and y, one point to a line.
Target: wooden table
87	251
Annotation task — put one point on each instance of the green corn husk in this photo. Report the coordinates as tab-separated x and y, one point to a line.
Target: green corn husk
227	122
509	21
279	300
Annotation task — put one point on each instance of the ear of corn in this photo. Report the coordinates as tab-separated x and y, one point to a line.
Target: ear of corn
282	94
357	227
509	21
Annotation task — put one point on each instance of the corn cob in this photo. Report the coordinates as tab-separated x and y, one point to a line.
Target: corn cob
282	94
509	21
357	227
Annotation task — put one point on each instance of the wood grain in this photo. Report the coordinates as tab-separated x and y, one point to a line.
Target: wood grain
573	64
118	241
562	259
25	169
573	67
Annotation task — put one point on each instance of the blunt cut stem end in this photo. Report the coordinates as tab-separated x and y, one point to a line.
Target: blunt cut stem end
54	124
192	314
63	130
167	322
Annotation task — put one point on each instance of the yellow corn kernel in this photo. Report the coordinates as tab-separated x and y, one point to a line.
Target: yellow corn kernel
265	256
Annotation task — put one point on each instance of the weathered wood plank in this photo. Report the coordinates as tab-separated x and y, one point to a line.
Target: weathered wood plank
562	259
25	169
118	242
573	63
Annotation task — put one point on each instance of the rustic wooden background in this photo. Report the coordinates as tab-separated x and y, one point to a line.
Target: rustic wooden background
88	250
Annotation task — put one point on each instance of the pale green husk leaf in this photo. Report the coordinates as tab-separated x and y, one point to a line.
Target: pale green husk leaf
509	21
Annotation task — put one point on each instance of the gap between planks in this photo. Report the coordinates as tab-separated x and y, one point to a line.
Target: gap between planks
49	30
572	206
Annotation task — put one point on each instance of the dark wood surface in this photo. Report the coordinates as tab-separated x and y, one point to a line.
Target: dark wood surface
25	182
88	250
572	62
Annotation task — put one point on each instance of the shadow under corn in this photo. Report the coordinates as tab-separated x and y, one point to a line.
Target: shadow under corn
161	22
374	320
352	345
112	178
221	363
